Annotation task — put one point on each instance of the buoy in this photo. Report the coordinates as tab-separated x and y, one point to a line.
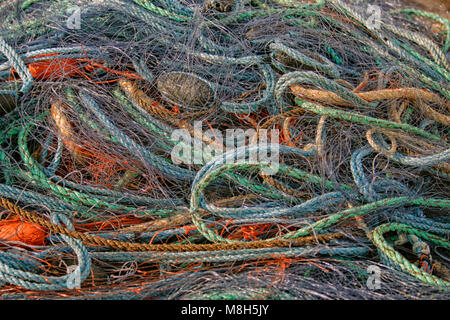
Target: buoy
185	89
22	231
53	69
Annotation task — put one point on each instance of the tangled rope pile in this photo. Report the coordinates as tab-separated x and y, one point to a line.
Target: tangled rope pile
96	96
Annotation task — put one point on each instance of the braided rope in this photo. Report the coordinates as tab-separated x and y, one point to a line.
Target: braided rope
18	65
128	246
392	257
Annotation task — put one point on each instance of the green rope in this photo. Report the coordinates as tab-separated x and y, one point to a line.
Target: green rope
392	257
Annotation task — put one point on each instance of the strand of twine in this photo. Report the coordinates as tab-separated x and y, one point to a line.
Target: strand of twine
328	97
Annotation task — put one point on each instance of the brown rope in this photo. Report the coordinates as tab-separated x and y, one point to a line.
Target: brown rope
184	217
287	117
175	220
132	246
66	131
415	94
152	106
289	191
290	113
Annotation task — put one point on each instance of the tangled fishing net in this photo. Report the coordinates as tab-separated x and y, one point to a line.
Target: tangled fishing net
95	96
